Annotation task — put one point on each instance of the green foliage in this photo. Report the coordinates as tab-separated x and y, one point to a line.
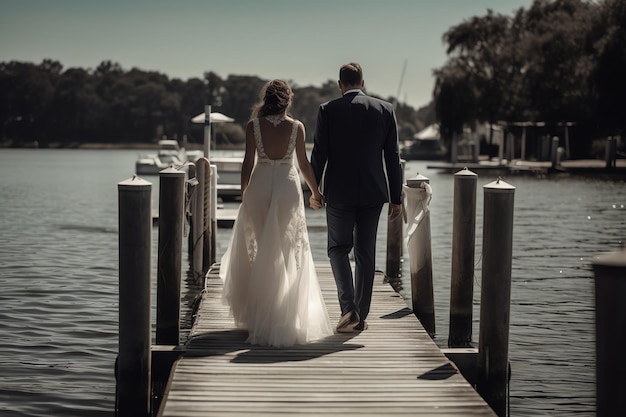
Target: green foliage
111	105
560	60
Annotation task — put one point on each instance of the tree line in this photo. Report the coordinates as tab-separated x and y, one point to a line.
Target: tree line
557	62
52	105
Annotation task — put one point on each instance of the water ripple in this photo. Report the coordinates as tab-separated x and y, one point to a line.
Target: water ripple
59	280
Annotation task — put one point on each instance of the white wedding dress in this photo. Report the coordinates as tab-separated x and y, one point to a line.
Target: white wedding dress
269	277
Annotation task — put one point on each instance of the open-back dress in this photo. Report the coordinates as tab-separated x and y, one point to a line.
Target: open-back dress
269	276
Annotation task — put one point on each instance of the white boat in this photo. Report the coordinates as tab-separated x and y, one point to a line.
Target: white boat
170	154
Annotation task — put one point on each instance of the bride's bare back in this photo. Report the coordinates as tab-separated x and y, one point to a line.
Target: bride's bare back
276	138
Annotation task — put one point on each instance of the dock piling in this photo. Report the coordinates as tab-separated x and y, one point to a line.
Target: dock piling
610	292
197	221
463	248
171	207
417	198
213	219
393	267
554	152
610	153
207	246
133	362
495	300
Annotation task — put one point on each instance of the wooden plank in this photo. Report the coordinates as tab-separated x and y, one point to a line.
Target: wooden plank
393	368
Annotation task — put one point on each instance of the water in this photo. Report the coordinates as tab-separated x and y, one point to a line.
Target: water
59	280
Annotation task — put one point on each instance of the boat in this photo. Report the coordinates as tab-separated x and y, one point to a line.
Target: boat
425	145
171	154
228	176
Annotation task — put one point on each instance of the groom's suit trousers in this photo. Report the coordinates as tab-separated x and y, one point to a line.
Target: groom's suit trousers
355	227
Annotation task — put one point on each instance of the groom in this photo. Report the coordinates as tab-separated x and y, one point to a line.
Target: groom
354	134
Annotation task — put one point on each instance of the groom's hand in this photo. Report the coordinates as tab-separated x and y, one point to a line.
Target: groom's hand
316	202
394	210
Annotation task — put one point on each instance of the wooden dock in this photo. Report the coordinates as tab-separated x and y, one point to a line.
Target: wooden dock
577	167
393	368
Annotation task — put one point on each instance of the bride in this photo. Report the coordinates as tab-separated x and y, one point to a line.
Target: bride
269	277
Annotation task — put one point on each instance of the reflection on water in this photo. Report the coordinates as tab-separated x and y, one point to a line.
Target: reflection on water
59	280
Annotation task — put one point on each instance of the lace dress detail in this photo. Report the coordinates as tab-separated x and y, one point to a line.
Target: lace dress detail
259	141
276	119
269	276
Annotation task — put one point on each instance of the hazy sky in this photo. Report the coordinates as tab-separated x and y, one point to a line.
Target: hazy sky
304	42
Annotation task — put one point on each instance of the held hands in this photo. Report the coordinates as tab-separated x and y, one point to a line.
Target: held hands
317	201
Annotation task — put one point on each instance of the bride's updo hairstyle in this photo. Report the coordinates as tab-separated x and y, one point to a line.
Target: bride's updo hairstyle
275	98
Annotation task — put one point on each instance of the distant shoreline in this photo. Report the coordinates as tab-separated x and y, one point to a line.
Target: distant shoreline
126	145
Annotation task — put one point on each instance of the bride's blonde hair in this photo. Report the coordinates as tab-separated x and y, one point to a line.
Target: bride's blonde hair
275	98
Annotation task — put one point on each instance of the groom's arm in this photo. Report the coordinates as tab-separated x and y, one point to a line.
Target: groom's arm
392	161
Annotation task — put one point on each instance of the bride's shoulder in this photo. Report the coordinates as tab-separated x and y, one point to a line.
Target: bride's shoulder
293	120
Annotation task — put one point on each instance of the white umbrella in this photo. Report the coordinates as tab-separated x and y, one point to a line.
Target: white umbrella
430	132
215	118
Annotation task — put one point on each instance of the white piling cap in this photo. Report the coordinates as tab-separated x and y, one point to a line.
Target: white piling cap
499	186
136	182
465	174
613	259
416	181
171	171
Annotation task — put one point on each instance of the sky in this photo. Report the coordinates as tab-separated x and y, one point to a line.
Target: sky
397	42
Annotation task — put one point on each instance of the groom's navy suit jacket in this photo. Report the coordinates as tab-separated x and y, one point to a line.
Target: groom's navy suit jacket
353	135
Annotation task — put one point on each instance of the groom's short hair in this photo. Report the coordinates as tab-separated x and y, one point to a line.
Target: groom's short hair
351	74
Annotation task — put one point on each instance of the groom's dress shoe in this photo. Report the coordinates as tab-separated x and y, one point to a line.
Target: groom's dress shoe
361	326
348	321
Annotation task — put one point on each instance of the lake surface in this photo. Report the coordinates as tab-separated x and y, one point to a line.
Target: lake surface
59	279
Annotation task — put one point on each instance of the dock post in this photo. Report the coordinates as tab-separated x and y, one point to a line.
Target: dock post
207	131
523	146
171	207
418	194
393	267
463	248
610	293
454	148
510	147
475	147
197	219
191	182
495	299
213	219
610	153
554	151
133	391
204	210
201	219
208	245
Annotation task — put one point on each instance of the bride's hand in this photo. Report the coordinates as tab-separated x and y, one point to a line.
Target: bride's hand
316	201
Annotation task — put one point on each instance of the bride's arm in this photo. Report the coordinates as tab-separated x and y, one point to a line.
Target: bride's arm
306	168
248	159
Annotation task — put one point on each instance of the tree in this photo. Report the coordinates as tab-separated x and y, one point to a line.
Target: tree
109	104
455	100
560	58
559	61
608	78
481	49
76	108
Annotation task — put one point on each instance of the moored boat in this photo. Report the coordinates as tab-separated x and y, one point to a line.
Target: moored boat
170	154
